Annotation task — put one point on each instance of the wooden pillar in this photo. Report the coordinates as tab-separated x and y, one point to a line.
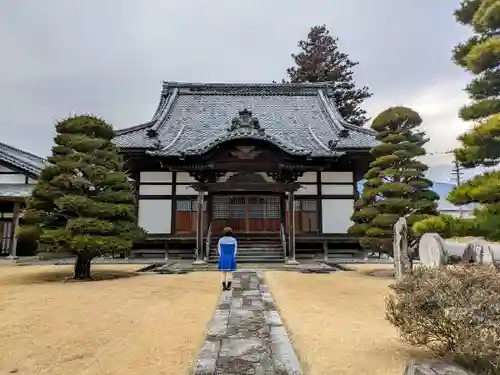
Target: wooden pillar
291	229
15	225
199	228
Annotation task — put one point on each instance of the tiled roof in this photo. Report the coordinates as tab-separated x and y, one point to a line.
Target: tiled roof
15	190
23	160
192	118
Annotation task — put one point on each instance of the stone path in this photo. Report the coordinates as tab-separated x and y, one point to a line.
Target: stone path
246	335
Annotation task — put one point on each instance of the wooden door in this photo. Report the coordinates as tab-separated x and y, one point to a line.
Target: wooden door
306	216
246	213
263	214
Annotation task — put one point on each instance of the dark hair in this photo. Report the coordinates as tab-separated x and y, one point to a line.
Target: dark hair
228	231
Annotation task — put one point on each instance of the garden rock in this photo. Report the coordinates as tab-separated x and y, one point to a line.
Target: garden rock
431	250
479	252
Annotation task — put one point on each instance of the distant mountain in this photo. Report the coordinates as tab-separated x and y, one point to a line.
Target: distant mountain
440	188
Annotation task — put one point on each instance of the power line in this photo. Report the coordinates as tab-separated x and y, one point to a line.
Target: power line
457	171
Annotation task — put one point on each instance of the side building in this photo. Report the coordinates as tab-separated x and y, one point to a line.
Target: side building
19	171
275	162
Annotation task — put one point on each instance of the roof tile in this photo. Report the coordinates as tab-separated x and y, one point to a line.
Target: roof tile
21	159
299	118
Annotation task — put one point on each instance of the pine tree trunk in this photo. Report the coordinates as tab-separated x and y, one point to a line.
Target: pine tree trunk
82	265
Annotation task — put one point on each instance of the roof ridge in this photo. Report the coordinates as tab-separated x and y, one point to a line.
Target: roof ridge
336	116
160	117
330	110
22	151
18	163
245	88
133	128
360	129
176	84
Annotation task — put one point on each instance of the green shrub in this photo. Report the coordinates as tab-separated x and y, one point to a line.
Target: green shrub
446	226
454	311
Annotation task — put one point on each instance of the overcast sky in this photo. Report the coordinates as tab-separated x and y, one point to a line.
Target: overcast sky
109	57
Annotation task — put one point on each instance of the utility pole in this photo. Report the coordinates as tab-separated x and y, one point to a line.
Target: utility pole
456	173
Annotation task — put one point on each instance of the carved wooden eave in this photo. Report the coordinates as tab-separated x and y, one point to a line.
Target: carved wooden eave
275	187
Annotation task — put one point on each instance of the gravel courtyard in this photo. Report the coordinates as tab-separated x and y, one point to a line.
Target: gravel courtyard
337	322
127	325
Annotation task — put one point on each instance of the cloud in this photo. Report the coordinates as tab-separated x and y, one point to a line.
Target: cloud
438	105
109	57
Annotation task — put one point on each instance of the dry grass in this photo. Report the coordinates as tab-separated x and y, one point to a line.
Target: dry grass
147	324
337	322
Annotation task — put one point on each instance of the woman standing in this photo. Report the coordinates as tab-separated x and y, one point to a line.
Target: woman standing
227	248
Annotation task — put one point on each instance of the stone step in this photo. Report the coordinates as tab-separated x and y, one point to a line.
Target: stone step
253	251
253	246
252	260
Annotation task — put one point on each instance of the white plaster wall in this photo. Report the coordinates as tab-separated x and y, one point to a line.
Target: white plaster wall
155	189
308	177
343	176
337	189
155	177
32	181
337	215
12	179
184	177
155	215
307	190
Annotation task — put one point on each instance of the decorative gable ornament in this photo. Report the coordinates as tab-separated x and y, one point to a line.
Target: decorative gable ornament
245	120
245	152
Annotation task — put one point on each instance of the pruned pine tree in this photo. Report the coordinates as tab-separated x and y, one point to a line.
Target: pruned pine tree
480	146
395	185
83	203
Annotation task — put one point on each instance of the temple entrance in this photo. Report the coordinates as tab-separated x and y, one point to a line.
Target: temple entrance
246	213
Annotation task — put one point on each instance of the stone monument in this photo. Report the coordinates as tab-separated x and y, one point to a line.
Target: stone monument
478	251
431	250
400	248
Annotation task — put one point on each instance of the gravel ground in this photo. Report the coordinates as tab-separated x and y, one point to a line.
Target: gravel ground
124	324
337	322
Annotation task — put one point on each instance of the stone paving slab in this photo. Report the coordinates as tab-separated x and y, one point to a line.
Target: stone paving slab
246	335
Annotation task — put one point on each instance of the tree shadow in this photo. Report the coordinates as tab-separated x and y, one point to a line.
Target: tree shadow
64	274
383	273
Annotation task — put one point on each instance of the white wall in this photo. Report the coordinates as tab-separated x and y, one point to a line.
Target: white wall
12	179
155	189
155	215
155	177
337	189
308	177
184	177
344	176
337	215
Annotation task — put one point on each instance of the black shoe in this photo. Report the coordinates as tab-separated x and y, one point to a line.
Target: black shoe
229	285
224	286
